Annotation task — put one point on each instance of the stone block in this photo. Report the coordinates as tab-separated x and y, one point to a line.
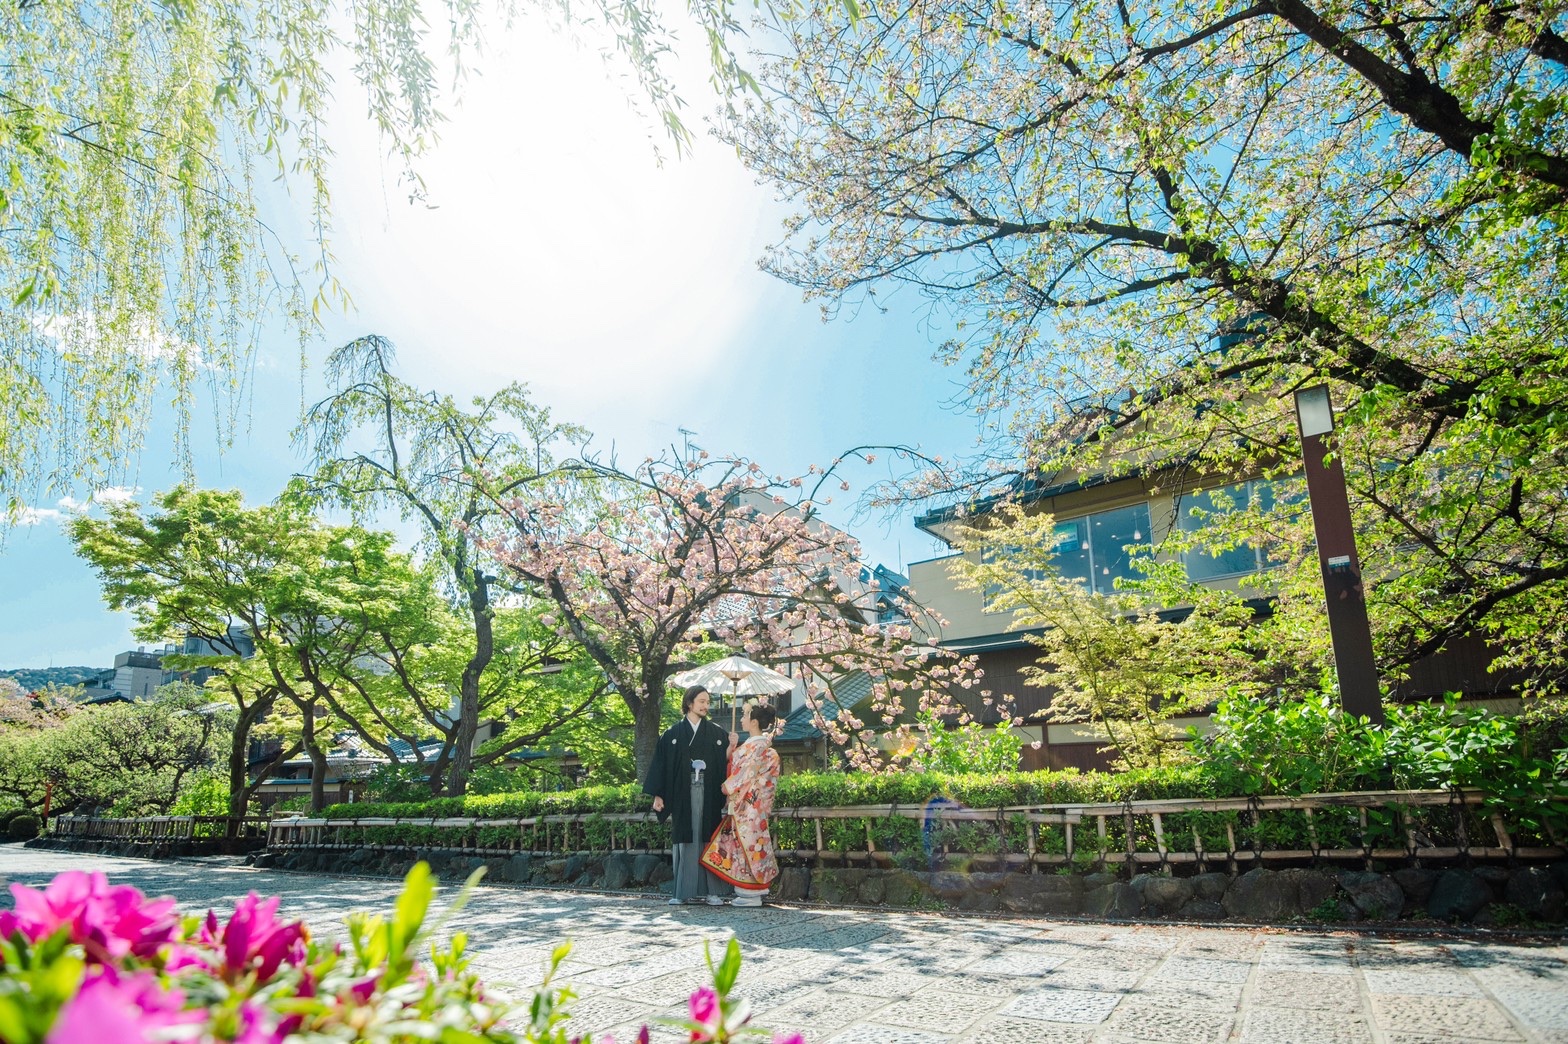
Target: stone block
663	871
1099	880
1115	900
1376	896
575	867
1211	886
872	890
554	871
518	868
980	902
1162	895
1201	910
1534	890
1496	876
643	867
1262	895
831	885
1458	896
1313	888
794	882
1417	884
617	871
946	884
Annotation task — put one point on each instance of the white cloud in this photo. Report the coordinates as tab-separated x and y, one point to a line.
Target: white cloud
79	333
35	516
114	494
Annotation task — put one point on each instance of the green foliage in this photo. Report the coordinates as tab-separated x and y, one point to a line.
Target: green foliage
1310	746
126	758
23	827
969	747
1110	659
206	795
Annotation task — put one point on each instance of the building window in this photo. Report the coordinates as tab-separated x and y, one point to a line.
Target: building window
1095	549
1205	509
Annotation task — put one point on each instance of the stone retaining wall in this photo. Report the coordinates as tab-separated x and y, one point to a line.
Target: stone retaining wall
1482	895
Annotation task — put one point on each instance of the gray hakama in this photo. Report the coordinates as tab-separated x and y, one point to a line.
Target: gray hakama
692	879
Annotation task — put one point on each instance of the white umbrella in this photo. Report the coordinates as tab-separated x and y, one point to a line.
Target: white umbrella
745	677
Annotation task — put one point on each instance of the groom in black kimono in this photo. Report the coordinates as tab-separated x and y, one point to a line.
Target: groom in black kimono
685	780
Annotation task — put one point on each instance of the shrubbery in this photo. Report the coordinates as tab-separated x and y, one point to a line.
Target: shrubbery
23	827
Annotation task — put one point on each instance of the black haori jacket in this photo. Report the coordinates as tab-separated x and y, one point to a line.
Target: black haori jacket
669	777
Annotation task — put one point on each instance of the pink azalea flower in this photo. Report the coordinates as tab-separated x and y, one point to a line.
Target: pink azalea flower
254	937
128	1010
109	922
789	1038
705	1012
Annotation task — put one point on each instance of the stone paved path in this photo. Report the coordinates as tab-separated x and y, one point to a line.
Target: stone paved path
859	977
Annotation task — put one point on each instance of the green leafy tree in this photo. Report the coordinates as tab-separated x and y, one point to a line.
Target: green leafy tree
381	444
135	758
1110	659
274	600
1152	221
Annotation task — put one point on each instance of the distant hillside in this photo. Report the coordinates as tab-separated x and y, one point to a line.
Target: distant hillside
34	678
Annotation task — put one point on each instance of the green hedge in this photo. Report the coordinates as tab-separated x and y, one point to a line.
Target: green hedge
827	790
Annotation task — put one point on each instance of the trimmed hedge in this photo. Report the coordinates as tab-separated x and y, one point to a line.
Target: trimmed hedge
827	790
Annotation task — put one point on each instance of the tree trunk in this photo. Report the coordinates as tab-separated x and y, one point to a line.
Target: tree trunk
648	715
240	786
318	759
468	690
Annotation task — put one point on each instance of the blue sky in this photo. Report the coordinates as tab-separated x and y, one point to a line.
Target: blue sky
558	252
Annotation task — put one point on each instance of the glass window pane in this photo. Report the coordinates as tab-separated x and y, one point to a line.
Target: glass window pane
1195	513
1072	556
1110	534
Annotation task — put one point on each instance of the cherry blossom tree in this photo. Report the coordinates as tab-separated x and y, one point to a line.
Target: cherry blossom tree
654	561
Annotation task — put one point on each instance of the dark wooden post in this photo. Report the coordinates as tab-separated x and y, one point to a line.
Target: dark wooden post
1348	626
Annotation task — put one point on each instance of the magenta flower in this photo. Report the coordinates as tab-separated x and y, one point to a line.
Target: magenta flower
791	1038
255	938
129	1010
109	922
706	1013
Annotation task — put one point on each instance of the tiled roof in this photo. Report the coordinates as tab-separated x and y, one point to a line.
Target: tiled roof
801	723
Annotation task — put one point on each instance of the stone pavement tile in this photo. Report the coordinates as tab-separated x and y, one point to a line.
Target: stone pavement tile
1435	983
1158	1022
1199	996
888	985
1228	946
875	1033
1405	955
1424	1038
1537	1007
1442	1016
1113	960
935	1011
1062	1005
1107	980
818	1013
1295	1026
1026	1031
1325	956
1203	969
669	989
1024	960
1310	991
657	1034
592	1014
636	971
